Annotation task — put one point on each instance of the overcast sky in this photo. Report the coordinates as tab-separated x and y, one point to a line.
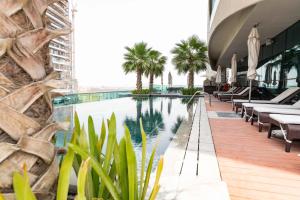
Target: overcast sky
105	27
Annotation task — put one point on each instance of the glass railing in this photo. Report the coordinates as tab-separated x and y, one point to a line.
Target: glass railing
88	97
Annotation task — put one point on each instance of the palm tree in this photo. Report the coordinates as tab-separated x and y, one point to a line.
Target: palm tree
136	60
155	66
26	81
190	56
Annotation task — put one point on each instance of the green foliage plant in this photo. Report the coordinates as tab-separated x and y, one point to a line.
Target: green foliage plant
110	172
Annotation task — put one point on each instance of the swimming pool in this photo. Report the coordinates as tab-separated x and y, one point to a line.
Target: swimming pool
161	118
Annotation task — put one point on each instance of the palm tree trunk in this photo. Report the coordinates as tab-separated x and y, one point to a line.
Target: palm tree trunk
151	82
139	85
191	79
26	80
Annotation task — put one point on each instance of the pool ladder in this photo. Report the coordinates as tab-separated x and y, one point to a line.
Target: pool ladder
199	93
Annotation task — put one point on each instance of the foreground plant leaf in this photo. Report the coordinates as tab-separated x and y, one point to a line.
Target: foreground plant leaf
132	169
22	186
144	146
65	169
98	168
81	181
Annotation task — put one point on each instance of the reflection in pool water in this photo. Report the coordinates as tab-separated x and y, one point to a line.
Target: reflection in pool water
160	122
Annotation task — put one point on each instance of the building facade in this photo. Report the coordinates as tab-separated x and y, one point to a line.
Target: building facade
229	25
61	48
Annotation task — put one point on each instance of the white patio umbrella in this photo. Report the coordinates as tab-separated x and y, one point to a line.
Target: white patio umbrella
219	76
210	74
253	53
233	69
170	79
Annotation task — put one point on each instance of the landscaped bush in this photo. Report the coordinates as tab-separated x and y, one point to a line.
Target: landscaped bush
143	91
106	168
190	91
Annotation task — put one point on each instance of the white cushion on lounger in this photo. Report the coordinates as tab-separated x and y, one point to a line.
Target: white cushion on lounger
278	110
276	99
252	101
286	119
255	105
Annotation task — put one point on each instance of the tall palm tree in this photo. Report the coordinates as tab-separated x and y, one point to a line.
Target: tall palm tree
136	60
190	56
155	66
26	81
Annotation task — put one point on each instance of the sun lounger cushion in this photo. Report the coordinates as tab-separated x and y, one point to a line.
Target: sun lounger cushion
255	105
252	101
278	110
285	119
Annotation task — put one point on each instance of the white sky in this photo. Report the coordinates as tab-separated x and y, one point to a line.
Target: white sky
105	27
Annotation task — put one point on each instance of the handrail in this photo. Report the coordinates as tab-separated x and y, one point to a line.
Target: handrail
195	95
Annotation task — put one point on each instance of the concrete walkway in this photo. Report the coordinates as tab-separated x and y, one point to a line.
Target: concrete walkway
191	168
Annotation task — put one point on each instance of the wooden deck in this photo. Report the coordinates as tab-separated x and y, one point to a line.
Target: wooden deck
253	166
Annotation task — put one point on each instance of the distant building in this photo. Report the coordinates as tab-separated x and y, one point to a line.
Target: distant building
61	48
229	24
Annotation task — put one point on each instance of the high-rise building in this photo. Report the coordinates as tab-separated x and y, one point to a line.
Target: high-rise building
61	48
278	24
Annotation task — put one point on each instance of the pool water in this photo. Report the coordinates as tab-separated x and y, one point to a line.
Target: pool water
161	118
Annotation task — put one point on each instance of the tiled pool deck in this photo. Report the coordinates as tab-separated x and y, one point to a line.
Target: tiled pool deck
224	157
191	169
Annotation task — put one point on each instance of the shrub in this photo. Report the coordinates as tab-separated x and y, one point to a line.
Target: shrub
143	91
109	175
190	91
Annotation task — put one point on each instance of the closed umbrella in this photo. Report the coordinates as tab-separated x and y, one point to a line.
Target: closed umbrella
233	69
219	76
210	74
170	79
253	53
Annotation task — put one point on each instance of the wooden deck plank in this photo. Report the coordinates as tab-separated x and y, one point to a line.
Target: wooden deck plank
253	166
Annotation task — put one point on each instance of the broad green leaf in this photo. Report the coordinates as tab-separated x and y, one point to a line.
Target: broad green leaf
111	141
123	169
101	139
77	123
132	169
157	177
22	186
65	170
81	180
82	140
148	173
93	138
144	147
159	169
98	168
154	192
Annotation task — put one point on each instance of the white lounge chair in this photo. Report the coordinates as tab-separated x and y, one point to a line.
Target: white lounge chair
247	108
281	98
263	114
289	126
228	97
